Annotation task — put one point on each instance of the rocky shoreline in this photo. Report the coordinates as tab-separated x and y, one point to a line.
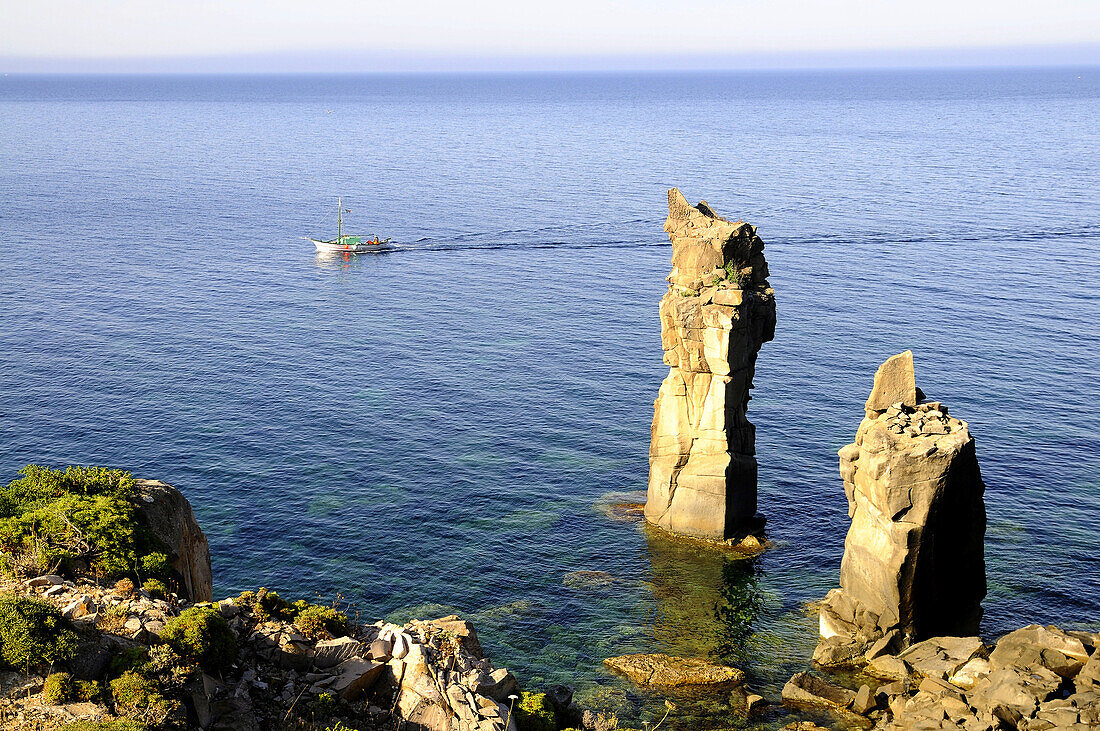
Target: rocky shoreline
285	665
428	673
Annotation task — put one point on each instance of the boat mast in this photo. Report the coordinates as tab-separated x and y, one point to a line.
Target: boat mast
339	220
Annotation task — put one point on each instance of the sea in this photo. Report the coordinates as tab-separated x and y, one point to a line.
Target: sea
454	426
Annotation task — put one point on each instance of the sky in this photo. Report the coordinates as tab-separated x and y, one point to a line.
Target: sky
435	35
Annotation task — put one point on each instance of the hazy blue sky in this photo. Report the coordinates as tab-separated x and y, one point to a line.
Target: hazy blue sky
74	35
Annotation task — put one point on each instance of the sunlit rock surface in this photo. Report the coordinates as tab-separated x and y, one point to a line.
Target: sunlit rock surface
914	564
717	313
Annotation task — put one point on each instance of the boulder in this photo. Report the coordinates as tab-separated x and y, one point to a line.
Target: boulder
807	689
702	464
1088	678
1019	691
942	657
462	631
330	653
895	383
970	673
294	652
1034	647
497	685
354	677
381	650
888	667
914	558
673	672
864	701
1088	706
165	512
45	580
419	699
79	607
91	658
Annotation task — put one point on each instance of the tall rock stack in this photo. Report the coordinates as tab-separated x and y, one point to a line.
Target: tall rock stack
717	313
914	563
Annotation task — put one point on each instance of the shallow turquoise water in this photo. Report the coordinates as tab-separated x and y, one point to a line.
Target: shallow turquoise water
441	429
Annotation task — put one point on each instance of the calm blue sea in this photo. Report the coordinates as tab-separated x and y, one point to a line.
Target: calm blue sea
443	428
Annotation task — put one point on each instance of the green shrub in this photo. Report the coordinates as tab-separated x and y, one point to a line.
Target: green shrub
154	565
57	689
201	635
324	705
86	690
164	660
77	516
155	588
130	658
33	634
318	622
120	724
61	688
733	274
133	693
339	726
534	712
266	605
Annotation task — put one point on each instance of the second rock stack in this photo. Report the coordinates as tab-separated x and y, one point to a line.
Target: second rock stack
914	563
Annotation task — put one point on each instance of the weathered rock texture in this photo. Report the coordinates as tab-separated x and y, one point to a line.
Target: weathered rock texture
166	513
717	313
673	672
1036	678
423	676
914	564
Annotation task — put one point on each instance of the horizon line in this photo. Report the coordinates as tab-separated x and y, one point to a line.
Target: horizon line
390	62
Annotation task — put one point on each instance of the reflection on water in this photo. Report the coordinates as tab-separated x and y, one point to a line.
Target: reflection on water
342	261
707	598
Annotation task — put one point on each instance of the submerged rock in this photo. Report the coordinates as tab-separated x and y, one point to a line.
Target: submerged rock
717	313
586	579
672	672
914	557
807	689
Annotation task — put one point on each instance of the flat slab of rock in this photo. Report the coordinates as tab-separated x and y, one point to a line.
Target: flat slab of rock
1020	690
942	657
667	671
808	689
1034	647
354	676
895	381
330	653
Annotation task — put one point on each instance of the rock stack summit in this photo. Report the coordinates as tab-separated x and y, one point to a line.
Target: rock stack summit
914	564
717	313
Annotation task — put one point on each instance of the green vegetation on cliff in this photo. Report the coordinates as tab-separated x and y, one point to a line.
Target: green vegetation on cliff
135	693
201	635
534	712
121	724
62	688
33	634
316	621
80	519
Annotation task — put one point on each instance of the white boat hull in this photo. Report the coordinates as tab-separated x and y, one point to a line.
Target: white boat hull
330	247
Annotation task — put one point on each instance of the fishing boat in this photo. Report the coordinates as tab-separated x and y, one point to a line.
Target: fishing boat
346	244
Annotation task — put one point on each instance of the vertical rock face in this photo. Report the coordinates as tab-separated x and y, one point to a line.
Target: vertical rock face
168	516
914	563
717	313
